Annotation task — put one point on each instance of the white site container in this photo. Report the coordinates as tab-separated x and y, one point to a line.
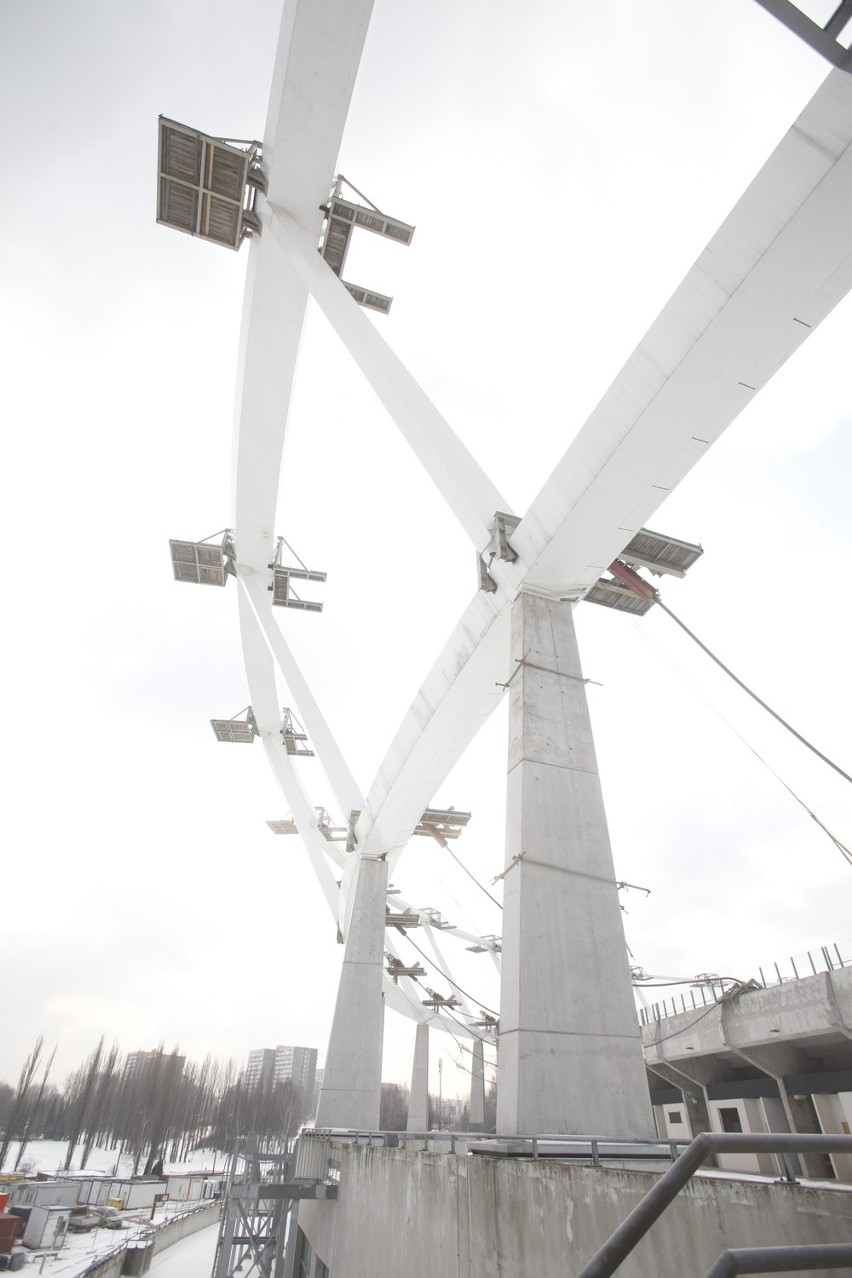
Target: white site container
135	1194
46	1227
44	1193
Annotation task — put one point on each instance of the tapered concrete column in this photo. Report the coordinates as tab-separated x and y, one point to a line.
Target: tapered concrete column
352	1083
418	1101
476	1122
569	1049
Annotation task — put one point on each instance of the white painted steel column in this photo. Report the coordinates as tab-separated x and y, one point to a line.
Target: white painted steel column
352	1083
476	1120
418	1100
570	1051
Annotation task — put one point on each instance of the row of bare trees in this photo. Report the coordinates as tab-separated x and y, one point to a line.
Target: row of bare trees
153	1106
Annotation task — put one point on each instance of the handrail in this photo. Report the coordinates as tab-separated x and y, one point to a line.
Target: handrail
778	1260
634	1227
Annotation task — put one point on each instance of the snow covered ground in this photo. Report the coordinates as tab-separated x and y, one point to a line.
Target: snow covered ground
48	1156
190	1258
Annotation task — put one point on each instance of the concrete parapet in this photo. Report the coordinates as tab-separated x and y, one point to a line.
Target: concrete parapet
187	1223
474	1217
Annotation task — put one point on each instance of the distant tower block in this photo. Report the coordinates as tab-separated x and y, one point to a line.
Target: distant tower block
569	1051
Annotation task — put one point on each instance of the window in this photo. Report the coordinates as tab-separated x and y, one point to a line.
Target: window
304	1255
675	1116
730	1119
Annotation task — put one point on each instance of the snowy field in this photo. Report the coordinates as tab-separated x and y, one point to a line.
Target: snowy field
190	1258
48	1156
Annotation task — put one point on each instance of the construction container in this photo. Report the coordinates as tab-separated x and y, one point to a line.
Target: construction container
46	1227
9	1226
134	1195
44	1193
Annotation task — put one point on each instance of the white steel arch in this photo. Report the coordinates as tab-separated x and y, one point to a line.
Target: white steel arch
776	267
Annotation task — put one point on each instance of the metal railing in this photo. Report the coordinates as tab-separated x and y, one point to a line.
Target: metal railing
619	1245
780	1260
579	1147
828	958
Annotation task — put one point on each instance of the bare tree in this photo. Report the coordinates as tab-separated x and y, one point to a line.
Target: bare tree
25	1080
85	1080
34	1111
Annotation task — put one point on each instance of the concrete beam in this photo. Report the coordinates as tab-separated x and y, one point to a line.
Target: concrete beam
352	1083
570	1054
418	1101
476	1120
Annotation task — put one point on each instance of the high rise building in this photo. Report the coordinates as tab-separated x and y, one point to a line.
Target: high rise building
136	1062
283	1063
260	1067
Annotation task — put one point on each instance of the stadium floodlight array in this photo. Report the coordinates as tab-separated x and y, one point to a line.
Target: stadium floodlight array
624	589
207	186
487	945
439	1000
241	730
341	218
435	919
295	738
445	822
403	920
206	562
396	968
283	593
331	833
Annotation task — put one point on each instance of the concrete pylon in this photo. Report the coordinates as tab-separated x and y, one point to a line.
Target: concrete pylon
569	1049
418	1100
476	1121
352	1083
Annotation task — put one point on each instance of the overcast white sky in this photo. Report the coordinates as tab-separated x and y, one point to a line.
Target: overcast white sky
564	167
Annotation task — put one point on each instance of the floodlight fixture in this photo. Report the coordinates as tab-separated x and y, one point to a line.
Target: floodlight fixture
294	735
207	186
443	822
625	590
488	1021
707	978
402	920
612	594
396	968
369	298
285	826
660	554
284	594
487	945
341	218
241	730
435	919
331	833
437	1000
206	562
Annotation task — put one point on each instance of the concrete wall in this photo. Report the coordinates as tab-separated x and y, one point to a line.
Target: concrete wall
462	1216
111	1267
183	1226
